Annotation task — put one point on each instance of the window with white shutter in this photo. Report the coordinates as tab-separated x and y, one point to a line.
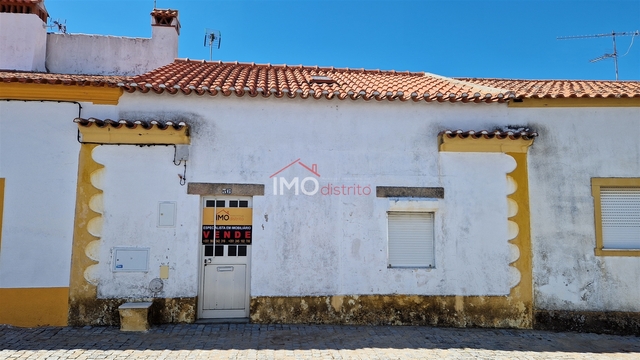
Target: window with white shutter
411	242
617	216
620	218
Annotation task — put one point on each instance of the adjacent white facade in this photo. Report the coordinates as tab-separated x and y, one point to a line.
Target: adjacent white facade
26	46
579	144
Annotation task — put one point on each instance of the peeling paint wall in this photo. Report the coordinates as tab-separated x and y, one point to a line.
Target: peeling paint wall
576	144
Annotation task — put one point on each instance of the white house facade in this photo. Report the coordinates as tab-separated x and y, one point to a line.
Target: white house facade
281	194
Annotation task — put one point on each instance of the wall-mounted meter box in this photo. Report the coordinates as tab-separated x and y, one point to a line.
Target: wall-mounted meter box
167	214
130	259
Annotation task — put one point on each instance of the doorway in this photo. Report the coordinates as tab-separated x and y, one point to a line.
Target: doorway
225	258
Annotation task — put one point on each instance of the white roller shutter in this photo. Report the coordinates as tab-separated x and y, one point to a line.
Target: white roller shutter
620	218
411	239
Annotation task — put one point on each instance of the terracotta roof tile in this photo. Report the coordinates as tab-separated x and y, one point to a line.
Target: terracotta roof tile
131	124
536	89
45	78
25	7
512	134
218	78
164	13
22	1
215	78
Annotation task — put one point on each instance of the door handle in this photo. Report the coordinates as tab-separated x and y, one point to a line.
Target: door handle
225	268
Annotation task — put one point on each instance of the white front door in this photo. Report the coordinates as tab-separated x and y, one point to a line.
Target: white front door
226	258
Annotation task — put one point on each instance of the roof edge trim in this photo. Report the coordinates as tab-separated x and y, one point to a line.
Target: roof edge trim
99	95
577	102
470	141
121	134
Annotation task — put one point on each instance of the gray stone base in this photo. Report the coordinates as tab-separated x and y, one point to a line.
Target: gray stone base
105	311
610	322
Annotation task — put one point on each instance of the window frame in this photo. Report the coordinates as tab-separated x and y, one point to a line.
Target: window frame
596	185
2	183
433	238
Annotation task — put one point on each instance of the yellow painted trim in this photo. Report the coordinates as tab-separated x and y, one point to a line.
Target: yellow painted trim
469	144
137	136
596	184
96	94
81	290
577	102
522	294
30	307
1	208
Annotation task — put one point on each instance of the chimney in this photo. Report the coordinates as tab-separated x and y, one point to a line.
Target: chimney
165	28
165	18
23	35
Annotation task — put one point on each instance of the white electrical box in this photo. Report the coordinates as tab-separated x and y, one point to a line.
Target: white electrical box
130	259
181	154
167	214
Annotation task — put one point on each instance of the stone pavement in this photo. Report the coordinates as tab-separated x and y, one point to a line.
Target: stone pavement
249	341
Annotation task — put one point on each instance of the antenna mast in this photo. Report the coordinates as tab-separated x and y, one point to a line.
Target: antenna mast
613	35
212	38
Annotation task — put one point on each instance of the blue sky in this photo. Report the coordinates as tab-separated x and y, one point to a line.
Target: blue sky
503	39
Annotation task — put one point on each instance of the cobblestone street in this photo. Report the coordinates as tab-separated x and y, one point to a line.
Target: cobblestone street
229	341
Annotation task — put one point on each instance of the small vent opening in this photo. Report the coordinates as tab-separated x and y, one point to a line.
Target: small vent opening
319	79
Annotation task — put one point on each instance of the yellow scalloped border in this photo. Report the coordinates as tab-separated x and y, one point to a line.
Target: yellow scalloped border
87	227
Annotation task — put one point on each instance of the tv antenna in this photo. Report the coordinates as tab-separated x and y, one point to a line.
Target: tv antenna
613	35
212	38
60	26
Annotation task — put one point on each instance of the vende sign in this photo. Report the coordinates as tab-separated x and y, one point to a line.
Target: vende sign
227	225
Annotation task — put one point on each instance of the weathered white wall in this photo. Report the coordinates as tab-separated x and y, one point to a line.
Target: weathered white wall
111	55
134	181
312	245
39	160
22	42
574	146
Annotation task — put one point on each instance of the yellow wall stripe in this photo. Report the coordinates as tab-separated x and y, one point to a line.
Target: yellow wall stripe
30	307
96	94
110	135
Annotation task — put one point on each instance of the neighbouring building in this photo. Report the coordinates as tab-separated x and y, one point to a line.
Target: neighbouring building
299	194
